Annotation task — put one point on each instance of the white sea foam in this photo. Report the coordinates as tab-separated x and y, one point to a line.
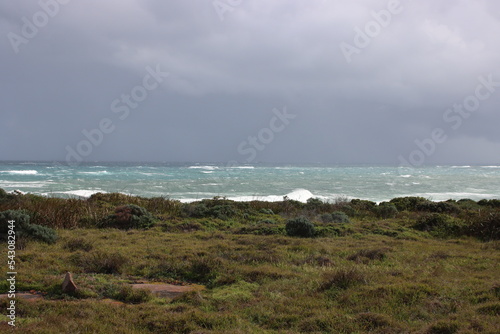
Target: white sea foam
20	172
203	167
301	195
243	167
406	176
102	172
78	193
20	184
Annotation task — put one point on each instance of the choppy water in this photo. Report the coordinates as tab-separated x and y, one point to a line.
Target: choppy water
192	181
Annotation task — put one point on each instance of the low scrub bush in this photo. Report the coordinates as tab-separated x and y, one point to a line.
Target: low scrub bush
485	228
363	205
438	207
493	203
387	210
128	217
440	225
314	203
23	228
300	227
340	217
266	211
408	203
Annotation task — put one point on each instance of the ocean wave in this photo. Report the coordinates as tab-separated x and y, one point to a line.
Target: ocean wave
20	172
203	167
79	193
102	172
242	167
301	195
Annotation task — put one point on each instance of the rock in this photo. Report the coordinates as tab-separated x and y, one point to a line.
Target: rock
68	285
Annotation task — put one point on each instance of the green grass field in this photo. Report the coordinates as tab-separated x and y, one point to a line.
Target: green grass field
419	269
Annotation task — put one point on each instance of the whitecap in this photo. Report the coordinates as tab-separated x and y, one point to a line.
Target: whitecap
20	172
203	167
95	173
79	193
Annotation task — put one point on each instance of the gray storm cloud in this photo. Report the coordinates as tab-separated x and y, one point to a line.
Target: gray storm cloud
231	63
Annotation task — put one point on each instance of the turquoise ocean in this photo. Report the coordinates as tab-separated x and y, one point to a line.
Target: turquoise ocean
267	182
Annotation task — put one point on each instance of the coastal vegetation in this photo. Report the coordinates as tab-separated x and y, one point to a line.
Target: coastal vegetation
409	265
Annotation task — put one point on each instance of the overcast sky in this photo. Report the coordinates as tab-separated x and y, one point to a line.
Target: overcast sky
276	81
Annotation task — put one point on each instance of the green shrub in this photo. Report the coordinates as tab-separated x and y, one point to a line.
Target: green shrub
387	210
408	203
266	211
129	216
487	228
494	203
300	227
38	232
204	269
23	228
314	203
326	218
340	217
362	207
223	211
437	207
197	210
439	224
